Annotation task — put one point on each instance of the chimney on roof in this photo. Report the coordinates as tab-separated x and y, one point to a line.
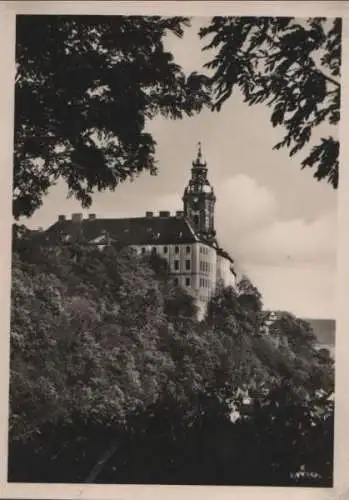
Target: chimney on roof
149	214
164	213
91	216
76	217
61	218
179	213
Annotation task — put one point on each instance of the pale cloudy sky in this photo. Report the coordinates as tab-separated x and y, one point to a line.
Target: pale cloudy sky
277	222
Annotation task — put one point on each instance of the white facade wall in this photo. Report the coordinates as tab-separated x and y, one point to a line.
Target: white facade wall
224	273
206	276
181	259
196	267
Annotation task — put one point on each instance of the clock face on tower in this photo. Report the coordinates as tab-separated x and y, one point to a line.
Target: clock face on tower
196	203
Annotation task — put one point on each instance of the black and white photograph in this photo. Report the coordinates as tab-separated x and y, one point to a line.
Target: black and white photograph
174	250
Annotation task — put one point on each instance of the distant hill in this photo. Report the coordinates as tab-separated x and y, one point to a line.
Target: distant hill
324	330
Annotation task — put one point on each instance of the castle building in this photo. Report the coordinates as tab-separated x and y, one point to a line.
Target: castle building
186	240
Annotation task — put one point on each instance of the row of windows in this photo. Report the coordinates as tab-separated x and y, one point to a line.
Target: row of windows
165	249
187	281
204	299
204	283
203	250
187	265
204	266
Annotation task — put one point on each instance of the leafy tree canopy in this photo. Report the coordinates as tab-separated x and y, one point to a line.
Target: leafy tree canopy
293	67
107	357
249	295
85	88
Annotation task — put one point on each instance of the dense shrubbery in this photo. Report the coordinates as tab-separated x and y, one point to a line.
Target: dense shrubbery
114	380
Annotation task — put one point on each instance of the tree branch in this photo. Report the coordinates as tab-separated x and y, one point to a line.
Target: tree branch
331	80
328	78
97	468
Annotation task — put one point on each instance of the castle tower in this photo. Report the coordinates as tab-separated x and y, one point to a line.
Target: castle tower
199	199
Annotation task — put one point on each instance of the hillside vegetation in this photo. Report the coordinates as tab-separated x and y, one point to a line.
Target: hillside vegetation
325	330
114	380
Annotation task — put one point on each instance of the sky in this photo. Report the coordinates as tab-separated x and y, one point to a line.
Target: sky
277	222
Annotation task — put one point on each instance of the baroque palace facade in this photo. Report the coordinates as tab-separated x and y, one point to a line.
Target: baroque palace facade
186	240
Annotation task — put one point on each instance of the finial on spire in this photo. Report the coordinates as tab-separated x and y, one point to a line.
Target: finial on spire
199	151
198	162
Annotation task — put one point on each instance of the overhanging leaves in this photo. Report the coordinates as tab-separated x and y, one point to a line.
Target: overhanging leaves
293	67
85	88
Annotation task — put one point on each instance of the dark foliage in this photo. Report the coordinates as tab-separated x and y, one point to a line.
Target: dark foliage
164	448
114	380
85	88
293	67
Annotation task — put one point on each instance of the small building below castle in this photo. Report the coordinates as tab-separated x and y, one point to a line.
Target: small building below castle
186	239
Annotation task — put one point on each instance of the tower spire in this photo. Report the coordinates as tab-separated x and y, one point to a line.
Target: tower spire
199	198
199	161
199	151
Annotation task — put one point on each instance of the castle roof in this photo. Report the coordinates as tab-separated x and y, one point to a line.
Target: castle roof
149	230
